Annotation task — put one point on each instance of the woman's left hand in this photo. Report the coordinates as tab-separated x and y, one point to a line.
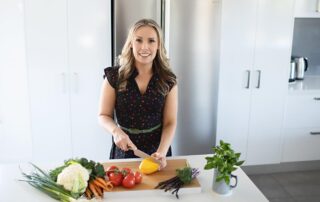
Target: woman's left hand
160	157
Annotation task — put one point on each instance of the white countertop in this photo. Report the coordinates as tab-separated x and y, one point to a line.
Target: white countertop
12	190
309	84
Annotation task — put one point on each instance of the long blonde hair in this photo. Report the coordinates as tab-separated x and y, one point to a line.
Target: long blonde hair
160	63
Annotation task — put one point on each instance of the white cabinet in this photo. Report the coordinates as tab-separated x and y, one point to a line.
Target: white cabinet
15	134
46	31
89	48
302	128
307	8
67	49
254	61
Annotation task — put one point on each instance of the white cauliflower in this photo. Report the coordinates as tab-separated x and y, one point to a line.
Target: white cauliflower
74	178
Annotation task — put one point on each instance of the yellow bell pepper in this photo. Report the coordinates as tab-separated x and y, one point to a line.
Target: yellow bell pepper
147	166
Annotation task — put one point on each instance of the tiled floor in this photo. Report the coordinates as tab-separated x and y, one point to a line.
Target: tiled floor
302	186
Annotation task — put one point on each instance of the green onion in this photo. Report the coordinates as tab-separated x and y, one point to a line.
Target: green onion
42	181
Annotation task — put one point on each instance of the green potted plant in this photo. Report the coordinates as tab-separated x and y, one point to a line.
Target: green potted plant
224	161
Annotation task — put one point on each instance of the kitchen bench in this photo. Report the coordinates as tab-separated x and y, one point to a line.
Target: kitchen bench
12	190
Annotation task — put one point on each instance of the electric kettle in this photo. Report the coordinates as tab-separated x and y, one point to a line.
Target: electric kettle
301	67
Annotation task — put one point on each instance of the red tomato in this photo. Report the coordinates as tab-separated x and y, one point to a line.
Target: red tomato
137	177
126	171
128	181
116	178
111	169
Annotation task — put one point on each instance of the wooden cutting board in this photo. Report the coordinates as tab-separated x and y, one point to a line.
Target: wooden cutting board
149	182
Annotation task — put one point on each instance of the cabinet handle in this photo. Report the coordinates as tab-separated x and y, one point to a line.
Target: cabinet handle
314	133
258	82
63	81
248	79
75	82
317	98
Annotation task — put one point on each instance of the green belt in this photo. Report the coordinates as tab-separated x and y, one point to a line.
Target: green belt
138	131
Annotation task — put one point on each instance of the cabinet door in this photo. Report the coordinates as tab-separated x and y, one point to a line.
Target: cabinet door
271	62
14	103
236	61
46	35
89	28
301	144
302	111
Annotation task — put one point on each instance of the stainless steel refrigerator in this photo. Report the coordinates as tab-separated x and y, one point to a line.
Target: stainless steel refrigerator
191	38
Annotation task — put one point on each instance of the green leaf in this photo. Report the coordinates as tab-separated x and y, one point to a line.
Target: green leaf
239	163
233	169
209	158
98	170
209	166
227	179
185	175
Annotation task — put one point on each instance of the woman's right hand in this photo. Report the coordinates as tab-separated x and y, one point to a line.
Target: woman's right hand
122	140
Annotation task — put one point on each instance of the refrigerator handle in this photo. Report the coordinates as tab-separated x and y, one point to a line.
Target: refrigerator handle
248	79
165	23
259	77
162	15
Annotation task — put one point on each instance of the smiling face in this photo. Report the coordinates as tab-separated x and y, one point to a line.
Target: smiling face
145	44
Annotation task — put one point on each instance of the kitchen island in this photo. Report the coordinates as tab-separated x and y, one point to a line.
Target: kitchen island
12	190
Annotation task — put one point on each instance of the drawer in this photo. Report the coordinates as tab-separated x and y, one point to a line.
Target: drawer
301	144
302	111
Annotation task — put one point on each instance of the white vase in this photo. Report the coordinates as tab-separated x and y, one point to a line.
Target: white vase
222	187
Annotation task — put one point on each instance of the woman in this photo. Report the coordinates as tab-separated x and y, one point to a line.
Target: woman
142	93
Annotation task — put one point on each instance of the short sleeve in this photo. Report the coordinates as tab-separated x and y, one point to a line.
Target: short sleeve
111	73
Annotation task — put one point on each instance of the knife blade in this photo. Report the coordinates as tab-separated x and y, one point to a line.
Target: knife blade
144	155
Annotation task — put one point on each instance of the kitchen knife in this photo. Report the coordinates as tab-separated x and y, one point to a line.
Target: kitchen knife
144	155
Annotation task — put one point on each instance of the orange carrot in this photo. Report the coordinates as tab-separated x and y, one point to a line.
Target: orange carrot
88	193
99	190
94	190
98	183
109	186
101	180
